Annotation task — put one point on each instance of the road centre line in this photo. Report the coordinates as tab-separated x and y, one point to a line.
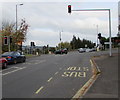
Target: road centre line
56	73
14	71
60	68
39	89
50	79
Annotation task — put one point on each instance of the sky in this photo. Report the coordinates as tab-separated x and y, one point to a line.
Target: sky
48	19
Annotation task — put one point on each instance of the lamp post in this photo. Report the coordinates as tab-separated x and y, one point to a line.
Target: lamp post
16	17
16	13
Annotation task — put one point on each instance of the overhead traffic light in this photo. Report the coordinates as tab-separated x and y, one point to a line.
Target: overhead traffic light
99	36
69	8
5	40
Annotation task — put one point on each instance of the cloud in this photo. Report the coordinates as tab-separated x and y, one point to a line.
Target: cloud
46	20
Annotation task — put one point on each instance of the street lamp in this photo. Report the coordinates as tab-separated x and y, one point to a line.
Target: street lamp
16	17
16	14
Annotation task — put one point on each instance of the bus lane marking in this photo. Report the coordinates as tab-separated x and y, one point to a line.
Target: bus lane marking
75	72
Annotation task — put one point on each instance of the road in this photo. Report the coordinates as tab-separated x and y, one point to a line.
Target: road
48	76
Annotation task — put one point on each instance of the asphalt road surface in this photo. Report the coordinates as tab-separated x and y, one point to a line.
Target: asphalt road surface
48	76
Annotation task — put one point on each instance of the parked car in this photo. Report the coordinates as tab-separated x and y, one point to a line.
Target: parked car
64	51
94	49
89	50
61	51
3	63
81	50
14	57
58	52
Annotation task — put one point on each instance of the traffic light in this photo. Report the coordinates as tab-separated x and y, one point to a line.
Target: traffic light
10	39
69	8
5	40
99	36
32	44
119	27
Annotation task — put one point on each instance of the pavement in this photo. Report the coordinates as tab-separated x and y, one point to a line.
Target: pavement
106	85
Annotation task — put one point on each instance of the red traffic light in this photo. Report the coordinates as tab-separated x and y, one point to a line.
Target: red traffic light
5	40
69	8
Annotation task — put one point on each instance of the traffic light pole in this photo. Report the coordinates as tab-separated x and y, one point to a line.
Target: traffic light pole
97	35
110	43
9	43
60	40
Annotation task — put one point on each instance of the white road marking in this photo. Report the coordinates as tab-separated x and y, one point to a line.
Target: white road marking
38	62
13	71
56	73
8	69
49	79
60	68
19	68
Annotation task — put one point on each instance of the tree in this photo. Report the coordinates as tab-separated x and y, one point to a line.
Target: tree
52	49
8	29
64	45
102	41
73	43
19	36
77	43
